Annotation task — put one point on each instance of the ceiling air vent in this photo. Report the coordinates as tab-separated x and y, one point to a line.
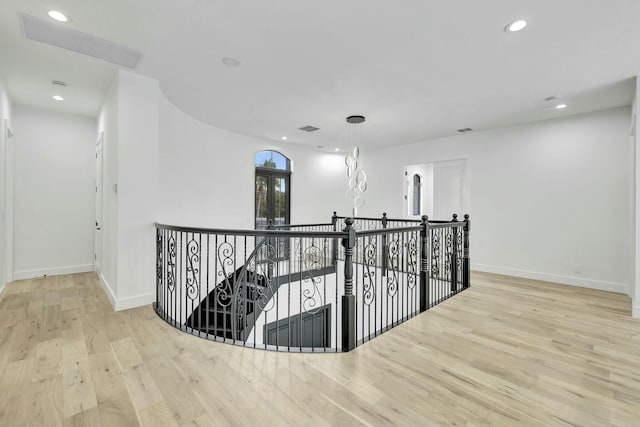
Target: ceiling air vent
309	128
463	130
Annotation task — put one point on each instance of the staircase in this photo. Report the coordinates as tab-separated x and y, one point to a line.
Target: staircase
229	310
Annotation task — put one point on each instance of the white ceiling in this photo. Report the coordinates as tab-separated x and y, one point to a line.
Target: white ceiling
417	69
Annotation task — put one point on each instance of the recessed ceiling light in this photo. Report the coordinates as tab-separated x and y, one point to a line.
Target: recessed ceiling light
58	16
337	149
284	138
230	62
516	26
561	106
58	98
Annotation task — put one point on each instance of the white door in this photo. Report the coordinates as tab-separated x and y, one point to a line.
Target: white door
449	189
98	202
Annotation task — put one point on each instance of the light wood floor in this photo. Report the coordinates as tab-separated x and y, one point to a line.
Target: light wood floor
506	352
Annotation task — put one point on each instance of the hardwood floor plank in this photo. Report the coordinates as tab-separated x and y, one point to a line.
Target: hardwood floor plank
79	392
48	360
116	408
158	415
126	353
141	387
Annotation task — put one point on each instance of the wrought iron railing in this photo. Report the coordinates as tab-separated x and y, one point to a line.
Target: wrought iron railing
310	287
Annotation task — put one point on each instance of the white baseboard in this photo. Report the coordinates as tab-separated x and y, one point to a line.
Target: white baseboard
136	301
555	278
107	289
54	271
635	311
124	303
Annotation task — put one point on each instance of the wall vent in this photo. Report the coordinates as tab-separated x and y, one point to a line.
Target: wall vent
463	130
309	128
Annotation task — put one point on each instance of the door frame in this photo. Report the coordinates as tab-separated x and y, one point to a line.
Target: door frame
8	202
272	174
98	208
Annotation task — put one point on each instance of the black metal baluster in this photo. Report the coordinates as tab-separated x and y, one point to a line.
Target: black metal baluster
300	270
362	297
402	277
385	248
275	290
227	312
207	303
335	312
324	291
216	289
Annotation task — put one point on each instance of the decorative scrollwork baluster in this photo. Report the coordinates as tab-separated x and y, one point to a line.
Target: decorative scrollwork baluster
435	255
225	253
412	261
193	268
370	261
266	261
171	264
159	260
393	256
312	258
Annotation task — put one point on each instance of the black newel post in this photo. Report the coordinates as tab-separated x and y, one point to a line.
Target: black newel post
348	299
466	263
454	255
424	264
385	249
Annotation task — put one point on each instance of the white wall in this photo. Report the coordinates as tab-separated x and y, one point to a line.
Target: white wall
138	121
108	126
544	197
207	176
54	192
5	204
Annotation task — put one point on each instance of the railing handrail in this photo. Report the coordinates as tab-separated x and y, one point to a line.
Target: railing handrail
390	230
300	225
442	224
291	233
241	232
417	221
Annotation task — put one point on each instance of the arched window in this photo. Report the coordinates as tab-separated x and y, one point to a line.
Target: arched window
272	195
417	202
269	159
